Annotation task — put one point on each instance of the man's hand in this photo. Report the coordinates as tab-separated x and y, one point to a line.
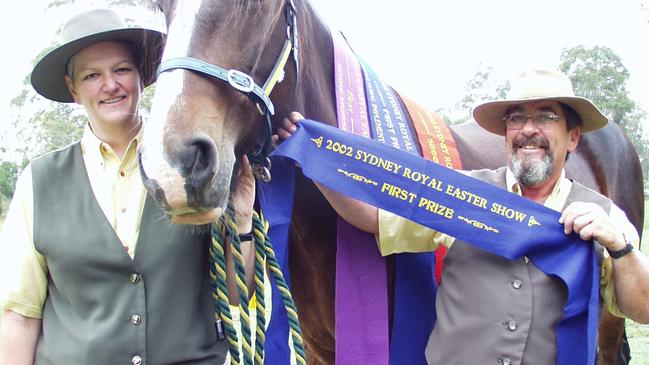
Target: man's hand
591	222
287	128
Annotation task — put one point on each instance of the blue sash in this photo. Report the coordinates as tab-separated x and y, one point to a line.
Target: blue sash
480	214
276	201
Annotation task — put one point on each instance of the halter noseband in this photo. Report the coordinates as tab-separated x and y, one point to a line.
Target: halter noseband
245	84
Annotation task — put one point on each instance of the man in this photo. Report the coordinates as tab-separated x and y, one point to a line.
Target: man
491	310
93	272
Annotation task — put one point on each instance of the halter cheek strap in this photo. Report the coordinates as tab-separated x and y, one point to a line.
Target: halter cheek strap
235	78
245	84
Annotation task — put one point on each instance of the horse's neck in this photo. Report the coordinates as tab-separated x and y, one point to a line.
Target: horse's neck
316	88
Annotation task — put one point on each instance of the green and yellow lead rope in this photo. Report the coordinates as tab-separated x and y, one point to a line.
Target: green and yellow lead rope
224	231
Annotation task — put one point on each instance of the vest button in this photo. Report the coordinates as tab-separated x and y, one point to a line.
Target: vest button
136	360
516	284
511	325
135	319
134	278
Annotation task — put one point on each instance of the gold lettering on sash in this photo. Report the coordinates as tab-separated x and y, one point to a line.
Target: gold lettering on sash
435	184
435	207
478	224
317	141
508	212
416	176
533	222
398	192
466	196
377	161
358	177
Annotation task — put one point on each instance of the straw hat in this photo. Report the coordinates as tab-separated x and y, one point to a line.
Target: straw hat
539	85
86	29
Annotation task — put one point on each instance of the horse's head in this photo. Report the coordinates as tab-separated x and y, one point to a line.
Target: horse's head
210	106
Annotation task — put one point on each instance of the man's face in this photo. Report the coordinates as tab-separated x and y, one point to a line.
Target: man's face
107	83
537	149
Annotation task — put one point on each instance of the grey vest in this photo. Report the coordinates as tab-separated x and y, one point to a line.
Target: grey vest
102	307
491	310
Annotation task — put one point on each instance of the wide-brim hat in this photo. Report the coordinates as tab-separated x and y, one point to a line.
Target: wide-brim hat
89	28
538	85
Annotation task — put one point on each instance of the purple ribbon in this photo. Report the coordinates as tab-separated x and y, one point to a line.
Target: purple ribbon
362	334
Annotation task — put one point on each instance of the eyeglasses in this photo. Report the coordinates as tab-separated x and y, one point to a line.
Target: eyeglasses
542	120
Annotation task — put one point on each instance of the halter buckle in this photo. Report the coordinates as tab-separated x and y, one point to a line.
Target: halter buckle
261	172
241	81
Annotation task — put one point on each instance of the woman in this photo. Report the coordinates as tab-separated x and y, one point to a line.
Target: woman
95	272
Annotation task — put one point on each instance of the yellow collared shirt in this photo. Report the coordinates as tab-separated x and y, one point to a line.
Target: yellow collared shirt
118	189
399	235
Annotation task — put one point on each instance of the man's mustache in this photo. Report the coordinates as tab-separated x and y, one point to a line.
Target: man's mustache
531	141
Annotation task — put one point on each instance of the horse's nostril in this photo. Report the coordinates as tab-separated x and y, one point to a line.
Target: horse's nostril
198	161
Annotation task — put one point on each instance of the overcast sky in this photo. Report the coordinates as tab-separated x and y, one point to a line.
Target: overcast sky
427	49
430	49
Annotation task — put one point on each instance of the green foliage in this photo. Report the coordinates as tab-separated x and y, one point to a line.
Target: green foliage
598	74
9	172
42	125
482	87
146	99
58	126
8	175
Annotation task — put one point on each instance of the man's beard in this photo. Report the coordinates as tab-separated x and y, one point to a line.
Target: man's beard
528	170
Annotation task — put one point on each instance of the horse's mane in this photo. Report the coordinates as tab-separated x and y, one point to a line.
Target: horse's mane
265	12
276	13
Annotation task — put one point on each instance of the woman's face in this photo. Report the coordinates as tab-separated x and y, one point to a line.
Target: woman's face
107	83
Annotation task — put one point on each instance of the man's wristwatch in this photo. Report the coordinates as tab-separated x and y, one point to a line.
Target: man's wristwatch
617	254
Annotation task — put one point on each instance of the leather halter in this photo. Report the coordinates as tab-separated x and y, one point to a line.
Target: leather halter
245	84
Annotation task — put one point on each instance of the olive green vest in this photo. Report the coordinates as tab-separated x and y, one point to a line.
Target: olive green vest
102	307
491	310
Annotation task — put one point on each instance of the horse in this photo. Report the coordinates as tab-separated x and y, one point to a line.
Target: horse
200	127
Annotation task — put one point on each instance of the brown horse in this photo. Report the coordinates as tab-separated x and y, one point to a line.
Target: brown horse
200	126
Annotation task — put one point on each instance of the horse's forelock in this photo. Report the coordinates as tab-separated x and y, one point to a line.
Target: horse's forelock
257	16
264	15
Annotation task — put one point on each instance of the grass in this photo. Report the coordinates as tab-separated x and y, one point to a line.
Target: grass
638	335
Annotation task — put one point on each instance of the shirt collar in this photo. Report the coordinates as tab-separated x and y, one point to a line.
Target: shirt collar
96	151
557	198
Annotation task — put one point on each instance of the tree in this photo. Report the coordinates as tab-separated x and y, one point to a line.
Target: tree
45	125
482	87
8	175
41	125
598	74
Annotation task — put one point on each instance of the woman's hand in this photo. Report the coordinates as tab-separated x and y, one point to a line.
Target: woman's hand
243	196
